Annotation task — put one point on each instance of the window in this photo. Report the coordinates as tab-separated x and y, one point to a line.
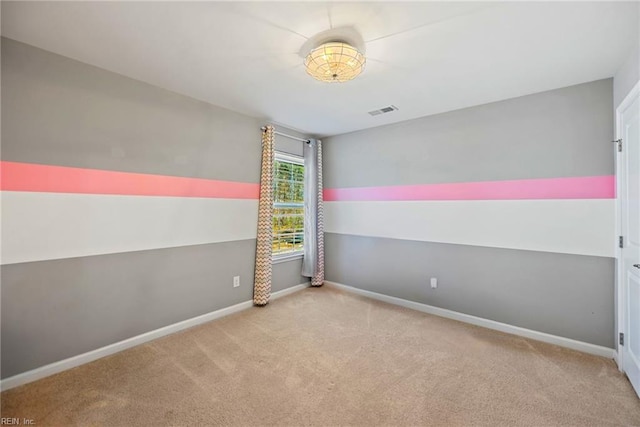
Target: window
288	205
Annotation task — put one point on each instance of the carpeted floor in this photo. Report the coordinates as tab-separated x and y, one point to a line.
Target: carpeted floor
326	357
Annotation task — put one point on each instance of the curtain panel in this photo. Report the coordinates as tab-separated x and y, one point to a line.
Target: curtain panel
313	261
262	282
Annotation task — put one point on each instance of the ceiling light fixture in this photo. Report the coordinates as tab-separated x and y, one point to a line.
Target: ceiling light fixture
334	62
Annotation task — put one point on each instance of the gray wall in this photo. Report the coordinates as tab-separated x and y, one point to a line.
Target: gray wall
627	76
57	111
629	72
560	133
56	309
62	112
522	288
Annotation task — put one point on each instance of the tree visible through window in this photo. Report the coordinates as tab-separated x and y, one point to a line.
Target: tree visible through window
288	204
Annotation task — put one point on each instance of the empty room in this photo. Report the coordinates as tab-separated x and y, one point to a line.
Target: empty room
320	213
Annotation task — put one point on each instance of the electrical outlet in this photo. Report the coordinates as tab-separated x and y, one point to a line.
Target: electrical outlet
236	281
434	282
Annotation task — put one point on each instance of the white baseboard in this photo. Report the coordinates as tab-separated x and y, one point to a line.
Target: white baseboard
486	323
285	292
81	359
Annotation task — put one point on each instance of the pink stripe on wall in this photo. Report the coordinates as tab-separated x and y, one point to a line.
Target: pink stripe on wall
588	187
61	179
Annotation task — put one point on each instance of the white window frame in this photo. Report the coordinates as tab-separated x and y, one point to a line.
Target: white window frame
288	256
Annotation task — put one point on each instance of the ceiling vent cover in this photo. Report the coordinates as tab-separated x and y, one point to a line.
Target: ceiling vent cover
384	110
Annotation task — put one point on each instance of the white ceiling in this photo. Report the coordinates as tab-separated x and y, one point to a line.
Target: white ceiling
425	58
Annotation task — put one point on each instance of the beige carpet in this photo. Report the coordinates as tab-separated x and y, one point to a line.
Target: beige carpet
326	357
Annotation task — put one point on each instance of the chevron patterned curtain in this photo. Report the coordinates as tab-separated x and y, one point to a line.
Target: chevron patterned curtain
318	278
262	283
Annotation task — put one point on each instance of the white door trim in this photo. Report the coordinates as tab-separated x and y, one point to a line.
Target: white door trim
620	303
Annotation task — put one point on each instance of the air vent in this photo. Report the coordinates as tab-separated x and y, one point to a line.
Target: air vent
384	110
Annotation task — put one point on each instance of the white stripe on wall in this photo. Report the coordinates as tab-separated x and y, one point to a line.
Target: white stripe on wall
584	227
42	226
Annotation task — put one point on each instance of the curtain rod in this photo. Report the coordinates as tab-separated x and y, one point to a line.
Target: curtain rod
287	136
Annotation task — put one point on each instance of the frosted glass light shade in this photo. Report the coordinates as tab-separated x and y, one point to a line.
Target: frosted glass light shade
334	62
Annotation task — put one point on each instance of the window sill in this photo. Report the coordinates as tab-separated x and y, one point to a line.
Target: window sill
277	259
